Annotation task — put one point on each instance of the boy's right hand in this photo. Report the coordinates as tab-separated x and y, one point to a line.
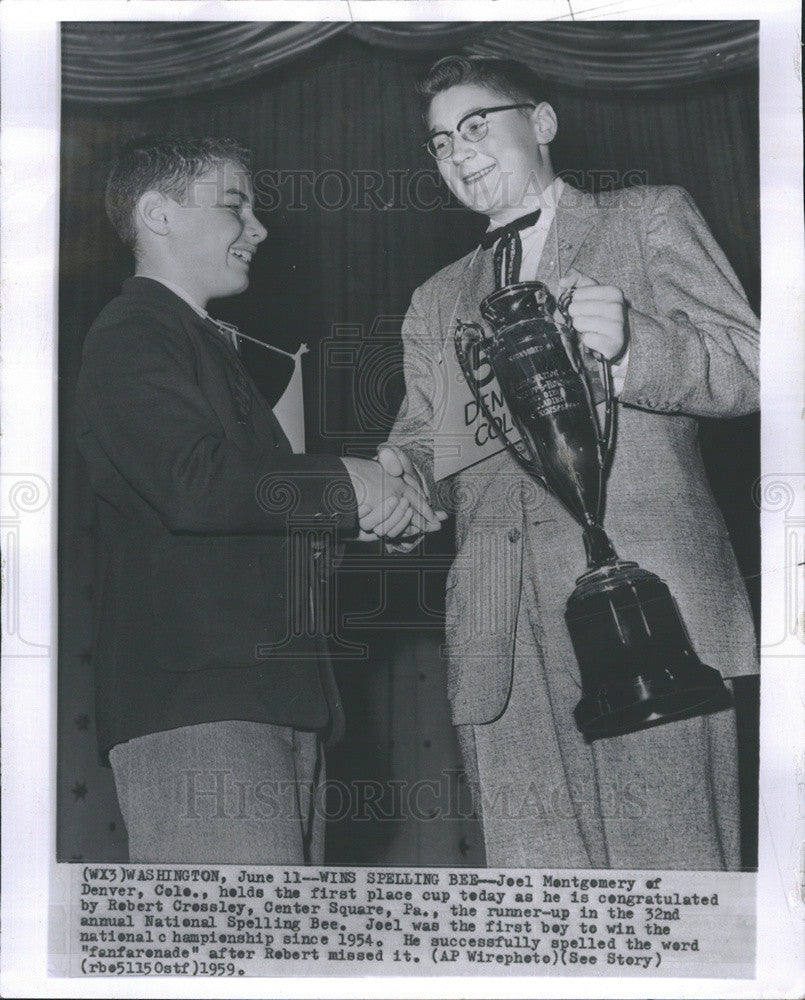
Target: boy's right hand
389	503
397	463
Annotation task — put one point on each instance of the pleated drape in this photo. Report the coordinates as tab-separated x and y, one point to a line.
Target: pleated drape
117	61
124	62
636	56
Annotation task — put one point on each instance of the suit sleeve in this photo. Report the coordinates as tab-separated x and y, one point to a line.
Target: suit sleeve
413	429
697	353
146	420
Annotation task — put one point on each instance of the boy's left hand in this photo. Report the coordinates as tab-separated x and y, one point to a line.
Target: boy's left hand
599	315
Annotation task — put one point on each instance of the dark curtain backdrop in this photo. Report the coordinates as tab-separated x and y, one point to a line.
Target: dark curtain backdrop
338	275
132	61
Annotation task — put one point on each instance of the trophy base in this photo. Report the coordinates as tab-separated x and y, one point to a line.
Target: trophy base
638	668
648	699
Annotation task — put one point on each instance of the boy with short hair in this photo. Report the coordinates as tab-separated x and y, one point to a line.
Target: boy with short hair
654	294
210	709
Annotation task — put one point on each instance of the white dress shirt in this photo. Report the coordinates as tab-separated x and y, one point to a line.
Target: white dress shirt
533	241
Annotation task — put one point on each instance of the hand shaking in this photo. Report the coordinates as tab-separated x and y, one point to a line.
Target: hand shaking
391	502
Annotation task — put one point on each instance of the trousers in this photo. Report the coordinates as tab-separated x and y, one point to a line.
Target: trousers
223	793
664	797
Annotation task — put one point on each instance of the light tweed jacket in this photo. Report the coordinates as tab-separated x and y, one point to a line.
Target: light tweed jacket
693	353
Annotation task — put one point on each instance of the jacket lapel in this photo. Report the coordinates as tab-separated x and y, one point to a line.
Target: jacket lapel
477	282
574	219
247	396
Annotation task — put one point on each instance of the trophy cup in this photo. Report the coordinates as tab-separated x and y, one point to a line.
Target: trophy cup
637	665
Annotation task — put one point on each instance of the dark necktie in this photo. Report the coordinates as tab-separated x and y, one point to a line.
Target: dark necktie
515	226
508	248
242	392
229	332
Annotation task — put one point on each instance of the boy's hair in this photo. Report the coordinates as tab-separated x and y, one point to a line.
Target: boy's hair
505	76
165	163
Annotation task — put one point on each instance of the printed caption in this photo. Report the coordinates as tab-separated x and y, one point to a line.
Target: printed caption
155	920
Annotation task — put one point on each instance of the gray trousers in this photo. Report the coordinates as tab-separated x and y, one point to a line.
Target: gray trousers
664	797
223	793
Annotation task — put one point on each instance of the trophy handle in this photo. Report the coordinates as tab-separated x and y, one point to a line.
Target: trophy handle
467	337
608	436
570	337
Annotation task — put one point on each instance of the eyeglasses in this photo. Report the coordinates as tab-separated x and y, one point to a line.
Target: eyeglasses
472	128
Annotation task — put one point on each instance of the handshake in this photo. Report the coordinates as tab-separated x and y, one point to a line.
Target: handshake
391	501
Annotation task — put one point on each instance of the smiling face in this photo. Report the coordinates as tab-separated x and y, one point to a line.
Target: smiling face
503	175
213	233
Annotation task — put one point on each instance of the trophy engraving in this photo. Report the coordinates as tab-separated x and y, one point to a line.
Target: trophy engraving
637	665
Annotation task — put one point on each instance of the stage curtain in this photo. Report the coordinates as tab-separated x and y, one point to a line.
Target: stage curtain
124	62
117	61
623	56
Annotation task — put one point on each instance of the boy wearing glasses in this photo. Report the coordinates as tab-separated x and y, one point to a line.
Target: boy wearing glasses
212	722
654	294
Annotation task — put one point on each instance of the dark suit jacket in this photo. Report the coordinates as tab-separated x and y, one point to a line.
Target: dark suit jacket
196	483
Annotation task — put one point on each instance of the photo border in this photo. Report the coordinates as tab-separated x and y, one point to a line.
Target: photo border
29	149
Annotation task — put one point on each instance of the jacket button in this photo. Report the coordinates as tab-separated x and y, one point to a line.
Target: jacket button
514	534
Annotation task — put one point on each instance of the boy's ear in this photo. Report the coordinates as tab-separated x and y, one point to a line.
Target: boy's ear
545	123
152	211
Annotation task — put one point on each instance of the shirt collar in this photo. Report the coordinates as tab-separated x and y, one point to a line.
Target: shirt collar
547	203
